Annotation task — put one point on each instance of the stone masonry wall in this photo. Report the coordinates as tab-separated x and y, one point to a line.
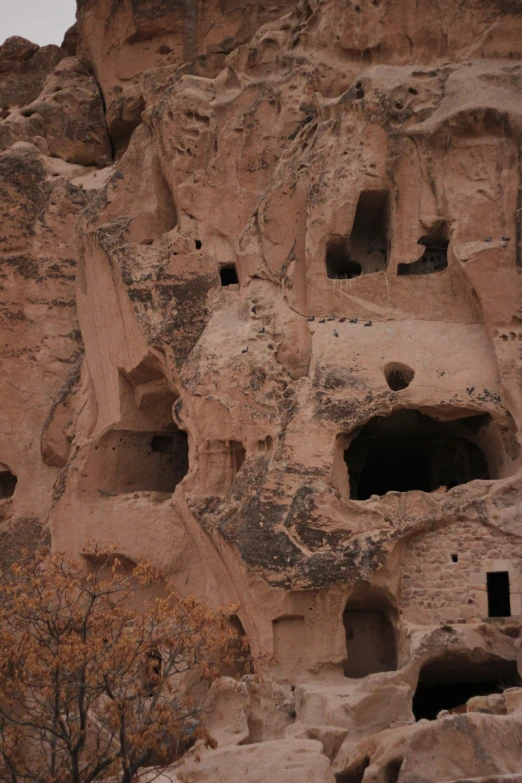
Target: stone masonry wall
436	589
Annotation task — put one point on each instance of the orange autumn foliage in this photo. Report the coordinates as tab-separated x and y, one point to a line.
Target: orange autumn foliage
93	689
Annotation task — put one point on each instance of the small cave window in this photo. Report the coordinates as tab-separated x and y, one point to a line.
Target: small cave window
237	455
434	258
448	682
398	376
8	483
408	450
499	600
366	249
228	275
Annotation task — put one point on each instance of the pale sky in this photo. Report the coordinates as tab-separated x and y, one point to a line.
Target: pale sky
41	21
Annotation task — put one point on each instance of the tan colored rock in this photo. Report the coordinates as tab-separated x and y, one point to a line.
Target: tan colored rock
68	115
24	67
287	761
262	325
455	748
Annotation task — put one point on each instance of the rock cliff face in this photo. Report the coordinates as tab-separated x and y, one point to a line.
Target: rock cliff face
262	325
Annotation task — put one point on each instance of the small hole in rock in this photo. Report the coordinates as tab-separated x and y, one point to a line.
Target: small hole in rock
228	275
8	483
455	558
199	244
398	376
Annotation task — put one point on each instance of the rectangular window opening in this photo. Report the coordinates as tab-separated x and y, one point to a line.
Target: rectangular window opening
499	603
228	275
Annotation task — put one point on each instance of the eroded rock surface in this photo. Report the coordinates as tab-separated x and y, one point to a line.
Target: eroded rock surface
262	325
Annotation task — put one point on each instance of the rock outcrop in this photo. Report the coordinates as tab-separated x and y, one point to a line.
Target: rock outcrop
262	323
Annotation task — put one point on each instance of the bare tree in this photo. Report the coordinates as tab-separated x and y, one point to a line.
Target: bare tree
92	688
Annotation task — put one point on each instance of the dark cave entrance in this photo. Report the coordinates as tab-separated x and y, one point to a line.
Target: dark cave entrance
408	450
228	275
365	250
8	483
448	682
499	599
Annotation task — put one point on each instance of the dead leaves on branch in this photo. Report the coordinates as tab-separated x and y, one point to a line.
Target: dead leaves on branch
94	688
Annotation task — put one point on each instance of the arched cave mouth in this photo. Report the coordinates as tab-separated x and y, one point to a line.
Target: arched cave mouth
448	682
369	621
409	450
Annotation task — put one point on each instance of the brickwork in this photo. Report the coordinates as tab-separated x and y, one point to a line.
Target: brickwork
435	589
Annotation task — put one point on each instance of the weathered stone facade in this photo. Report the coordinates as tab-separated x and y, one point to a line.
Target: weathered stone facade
262	318
444	573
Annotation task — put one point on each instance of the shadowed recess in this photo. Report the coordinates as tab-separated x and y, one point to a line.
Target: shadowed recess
448	682
8	483
411	451
434	258
366	249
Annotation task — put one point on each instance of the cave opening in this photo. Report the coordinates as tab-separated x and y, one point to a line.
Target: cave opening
434	258
398	376
409	450
450	681
228	275
369	632
339	265
237	456
499	599
127	461
8	483
365	250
